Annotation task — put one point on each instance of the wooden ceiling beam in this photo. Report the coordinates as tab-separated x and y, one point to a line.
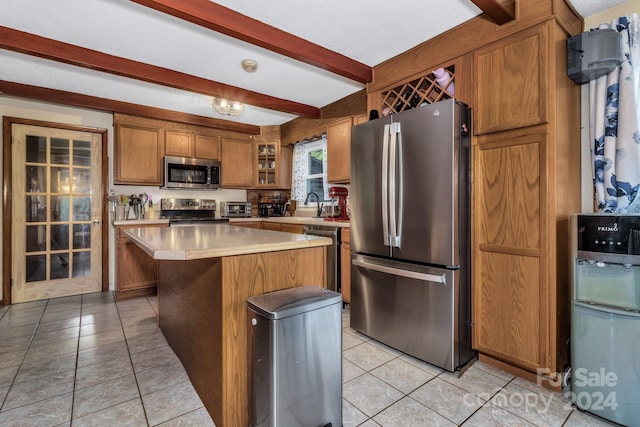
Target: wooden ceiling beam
31	44
61	97
500	11
218	18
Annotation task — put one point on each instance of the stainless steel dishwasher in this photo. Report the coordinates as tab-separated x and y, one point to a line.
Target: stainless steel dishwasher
333	253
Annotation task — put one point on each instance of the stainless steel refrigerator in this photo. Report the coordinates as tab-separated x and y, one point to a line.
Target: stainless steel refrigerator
410	232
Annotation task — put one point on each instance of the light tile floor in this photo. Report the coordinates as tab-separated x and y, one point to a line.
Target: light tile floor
89	361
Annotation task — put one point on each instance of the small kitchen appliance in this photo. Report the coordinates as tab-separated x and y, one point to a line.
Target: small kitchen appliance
341	194
235	209
605	316
272	206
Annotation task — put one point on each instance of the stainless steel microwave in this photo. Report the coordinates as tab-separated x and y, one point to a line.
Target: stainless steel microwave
184	172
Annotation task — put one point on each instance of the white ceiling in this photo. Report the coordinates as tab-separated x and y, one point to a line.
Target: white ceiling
367	31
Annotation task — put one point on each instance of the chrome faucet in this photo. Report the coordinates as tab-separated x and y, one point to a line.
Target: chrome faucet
319	208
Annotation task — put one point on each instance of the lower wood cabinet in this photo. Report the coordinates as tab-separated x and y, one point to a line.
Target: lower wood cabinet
345	264
255	224
136	271
293	228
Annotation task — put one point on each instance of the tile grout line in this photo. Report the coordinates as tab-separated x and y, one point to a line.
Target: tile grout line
24	355
133	369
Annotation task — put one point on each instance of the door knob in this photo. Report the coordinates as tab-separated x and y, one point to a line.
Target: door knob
96	222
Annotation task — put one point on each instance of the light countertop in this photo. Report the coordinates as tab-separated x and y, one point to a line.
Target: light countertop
216	240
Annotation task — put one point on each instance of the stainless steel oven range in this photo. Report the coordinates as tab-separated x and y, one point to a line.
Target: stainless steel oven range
189	211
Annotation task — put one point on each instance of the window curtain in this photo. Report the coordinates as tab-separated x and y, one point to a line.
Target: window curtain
614	119
298	180
300	169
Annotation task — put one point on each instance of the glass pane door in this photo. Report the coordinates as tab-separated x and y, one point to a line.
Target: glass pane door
61	190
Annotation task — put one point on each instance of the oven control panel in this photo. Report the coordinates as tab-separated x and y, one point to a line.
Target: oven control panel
609	233
187	204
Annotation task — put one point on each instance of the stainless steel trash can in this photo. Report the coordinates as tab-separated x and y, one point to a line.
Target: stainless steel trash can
296	358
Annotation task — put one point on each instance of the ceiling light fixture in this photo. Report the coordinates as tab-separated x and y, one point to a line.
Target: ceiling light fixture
228	108
249	65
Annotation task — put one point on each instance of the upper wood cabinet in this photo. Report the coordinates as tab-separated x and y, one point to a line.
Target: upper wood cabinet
512	82
272	165
138	153
140	145
237	163
186	144
339	151
206	147
178	144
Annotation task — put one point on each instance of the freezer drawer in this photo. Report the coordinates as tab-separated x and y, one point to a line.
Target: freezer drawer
411	308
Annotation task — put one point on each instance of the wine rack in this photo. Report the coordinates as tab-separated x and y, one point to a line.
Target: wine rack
427	89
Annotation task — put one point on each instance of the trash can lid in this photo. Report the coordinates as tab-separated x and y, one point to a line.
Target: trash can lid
292	301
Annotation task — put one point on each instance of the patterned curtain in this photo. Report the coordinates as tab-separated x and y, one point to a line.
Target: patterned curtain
614	124
298	181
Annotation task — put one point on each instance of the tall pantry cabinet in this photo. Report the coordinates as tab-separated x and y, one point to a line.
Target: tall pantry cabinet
526	176
525	169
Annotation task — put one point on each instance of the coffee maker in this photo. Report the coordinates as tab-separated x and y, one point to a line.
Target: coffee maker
341	194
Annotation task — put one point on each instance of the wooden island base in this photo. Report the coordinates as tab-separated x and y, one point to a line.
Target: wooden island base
203	315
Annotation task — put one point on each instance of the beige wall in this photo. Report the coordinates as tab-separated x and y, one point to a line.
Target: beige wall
627	8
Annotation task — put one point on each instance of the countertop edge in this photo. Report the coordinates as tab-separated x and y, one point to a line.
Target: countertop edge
192	254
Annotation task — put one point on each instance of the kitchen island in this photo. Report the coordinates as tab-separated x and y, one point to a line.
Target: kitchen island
205	275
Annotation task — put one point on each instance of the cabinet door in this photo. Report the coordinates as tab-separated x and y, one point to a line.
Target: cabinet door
207	147
136	272
178	144
345	265
257	224
293	228
138	153
512	82
266	162
237	163
359	119
511	295
272	226
339	151
285	167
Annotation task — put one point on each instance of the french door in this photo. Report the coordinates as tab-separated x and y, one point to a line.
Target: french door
57	212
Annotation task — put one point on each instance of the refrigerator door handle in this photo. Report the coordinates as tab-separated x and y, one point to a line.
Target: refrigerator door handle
385	185
399	272
397	229
394	129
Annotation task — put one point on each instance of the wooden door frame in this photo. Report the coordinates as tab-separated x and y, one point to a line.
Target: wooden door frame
7	179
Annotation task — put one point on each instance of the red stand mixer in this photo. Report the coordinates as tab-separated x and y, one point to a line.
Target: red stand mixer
341	194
